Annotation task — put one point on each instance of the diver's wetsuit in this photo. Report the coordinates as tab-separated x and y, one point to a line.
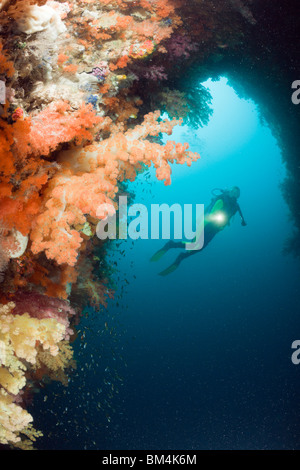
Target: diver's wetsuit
223	203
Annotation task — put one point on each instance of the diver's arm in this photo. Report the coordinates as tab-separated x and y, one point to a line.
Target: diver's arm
242	217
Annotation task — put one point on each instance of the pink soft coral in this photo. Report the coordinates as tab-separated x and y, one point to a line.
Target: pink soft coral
181	46
41	306
155	73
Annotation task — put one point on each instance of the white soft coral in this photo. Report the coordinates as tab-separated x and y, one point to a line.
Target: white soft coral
41	18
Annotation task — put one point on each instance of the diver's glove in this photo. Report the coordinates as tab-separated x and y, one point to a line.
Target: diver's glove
244	223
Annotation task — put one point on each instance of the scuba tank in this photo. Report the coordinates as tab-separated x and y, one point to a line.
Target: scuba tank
218	192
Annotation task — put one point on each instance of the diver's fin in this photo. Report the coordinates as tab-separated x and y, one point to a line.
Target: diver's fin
170	269
158	255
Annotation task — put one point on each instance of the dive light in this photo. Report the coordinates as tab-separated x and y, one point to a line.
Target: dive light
218	218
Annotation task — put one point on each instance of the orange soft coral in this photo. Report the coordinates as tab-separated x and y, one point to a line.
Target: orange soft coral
6	66
6	158
90	179
21	168
56	124
68	197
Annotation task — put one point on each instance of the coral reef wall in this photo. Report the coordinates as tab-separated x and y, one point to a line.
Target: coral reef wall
71	133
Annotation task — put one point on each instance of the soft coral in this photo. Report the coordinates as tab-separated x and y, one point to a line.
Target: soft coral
56	124
91	178
23	173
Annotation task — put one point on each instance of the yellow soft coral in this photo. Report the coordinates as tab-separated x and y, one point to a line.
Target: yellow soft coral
22	338
55	367
60	361
23	332
13	419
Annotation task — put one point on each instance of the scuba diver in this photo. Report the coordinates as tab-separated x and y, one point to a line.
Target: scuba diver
217	216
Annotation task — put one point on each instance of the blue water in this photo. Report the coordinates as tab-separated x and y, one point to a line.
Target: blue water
200	359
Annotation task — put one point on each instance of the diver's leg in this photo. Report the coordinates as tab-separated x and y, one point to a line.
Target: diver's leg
209	234
170	244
